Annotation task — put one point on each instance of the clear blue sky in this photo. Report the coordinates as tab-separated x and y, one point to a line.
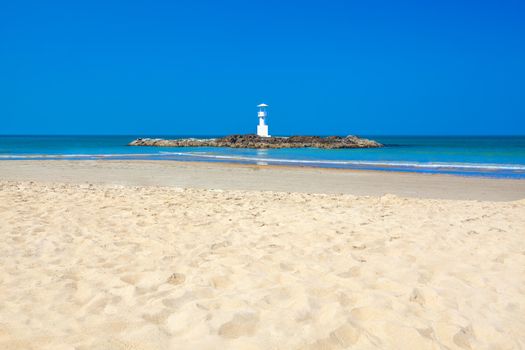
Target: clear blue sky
201	67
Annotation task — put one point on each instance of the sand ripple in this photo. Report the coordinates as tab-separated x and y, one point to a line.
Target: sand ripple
107	267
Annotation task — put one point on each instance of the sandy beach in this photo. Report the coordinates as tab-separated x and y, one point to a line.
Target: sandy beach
263	178
161	255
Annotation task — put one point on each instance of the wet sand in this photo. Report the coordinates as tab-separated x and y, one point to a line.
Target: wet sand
264	178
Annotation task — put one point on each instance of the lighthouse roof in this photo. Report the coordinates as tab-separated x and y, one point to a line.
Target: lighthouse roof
262	105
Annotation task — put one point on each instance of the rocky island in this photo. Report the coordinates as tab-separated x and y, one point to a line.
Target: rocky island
254	141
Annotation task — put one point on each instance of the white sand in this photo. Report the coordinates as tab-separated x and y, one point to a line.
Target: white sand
116	267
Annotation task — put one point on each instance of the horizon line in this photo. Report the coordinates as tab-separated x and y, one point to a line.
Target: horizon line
319	134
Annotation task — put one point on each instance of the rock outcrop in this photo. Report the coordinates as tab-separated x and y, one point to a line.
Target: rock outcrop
254	141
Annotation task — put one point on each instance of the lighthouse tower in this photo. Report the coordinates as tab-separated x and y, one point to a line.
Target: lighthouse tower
262	128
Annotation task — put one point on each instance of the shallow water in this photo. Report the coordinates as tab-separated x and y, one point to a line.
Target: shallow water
491	156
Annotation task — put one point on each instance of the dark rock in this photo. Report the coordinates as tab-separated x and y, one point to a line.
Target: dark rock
254	141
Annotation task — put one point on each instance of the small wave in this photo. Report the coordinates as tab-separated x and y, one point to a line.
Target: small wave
478	166
313	162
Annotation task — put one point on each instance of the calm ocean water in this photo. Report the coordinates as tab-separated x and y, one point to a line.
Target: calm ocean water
502	157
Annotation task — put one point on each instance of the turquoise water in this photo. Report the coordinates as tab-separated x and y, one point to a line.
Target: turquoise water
502	157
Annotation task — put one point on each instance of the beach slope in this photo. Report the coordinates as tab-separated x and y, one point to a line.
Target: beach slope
267	178
105	266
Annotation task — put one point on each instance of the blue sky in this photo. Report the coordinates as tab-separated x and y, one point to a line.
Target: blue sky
201	67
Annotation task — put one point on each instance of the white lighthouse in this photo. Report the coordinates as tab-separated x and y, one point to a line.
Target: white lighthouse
262	128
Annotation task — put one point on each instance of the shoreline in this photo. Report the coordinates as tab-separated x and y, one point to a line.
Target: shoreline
280	178
246	164
474	170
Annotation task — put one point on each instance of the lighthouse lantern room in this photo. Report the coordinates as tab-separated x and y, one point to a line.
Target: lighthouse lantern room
262	128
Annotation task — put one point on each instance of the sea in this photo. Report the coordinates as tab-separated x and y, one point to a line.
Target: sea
481	156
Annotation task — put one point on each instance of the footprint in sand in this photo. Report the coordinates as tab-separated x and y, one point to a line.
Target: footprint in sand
425	277
426	332
341	338
220	282
130	279
417	297
346	335
359	246
176	278
220	245
352	272
463	337
244	324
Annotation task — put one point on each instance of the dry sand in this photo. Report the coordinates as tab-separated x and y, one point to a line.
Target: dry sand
123	267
